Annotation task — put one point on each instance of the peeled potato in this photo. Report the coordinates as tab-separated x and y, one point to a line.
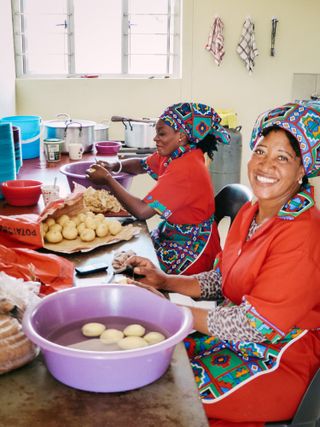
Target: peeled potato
115	227
70	233
91	223
87	235
93	329
111	336
50	221
70	223
102	229
81	227
129	343
44	227
135	330
154	337
82	217
76	220
90	214
55	227
63	219
100	217
53	236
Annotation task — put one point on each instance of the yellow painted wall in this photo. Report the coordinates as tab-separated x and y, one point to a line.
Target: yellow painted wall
7	73
226	87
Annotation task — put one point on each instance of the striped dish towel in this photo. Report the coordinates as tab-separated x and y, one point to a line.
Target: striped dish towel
215	43
247	48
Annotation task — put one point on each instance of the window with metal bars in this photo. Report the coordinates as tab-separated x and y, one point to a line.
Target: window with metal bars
111	38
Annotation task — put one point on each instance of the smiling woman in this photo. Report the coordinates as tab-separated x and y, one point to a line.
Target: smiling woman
254	355
275	171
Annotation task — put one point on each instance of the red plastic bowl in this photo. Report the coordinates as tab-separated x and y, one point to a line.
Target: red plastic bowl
108	147
21	192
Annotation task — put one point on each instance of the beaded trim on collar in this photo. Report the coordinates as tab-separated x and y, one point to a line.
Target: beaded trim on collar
180	151
301	202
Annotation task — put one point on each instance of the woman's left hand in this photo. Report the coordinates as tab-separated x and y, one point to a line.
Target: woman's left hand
143	285
98	174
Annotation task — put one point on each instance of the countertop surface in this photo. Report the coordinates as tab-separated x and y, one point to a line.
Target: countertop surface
31	396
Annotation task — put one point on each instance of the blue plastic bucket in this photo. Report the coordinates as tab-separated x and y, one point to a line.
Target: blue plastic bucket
30	134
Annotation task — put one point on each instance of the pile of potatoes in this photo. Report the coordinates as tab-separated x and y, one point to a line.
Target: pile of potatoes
86	225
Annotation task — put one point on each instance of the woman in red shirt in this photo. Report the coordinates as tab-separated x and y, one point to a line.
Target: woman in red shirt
187	240
255	354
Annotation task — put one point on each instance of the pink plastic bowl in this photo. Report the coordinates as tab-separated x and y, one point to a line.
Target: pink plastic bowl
21	192
108	147
76	172
106	371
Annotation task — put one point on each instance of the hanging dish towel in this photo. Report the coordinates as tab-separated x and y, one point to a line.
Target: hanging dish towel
247	48
215	43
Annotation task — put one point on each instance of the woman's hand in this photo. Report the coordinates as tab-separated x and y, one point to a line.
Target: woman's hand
111	167
153	276
98	174
147	287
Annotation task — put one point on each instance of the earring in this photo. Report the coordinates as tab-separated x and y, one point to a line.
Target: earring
300	181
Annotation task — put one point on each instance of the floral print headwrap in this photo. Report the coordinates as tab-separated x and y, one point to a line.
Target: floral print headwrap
196	121
302	120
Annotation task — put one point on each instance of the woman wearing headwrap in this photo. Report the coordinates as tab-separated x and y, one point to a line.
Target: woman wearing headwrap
255	354
187	240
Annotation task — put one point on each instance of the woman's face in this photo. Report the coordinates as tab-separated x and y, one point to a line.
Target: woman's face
274	169
167	139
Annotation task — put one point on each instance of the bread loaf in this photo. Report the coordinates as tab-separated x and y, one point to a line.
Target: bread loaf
15	348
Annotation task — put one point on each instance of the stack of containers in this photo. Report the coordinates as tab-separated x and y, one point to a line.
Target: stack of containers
17	147
30	128
7	158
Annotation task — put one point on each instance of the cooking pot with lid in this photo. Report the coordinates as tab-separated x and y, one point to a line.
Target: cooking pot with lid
101	131
71	131
139	133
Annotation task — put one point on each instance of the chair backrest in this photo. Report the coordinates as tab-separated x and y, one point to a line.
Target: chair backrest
309	408
230	199
308	412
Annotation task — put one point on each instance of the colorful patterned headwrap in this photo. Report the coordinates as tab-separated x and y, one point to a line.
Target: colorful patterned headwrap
302	120
196	120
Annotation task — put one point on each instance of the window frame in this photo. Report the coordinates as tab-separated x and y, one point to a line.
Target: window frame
173	50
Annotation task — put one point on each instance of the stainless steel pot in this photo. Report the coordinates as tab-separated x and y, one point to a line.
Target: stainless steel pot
71	131
101	132
140	134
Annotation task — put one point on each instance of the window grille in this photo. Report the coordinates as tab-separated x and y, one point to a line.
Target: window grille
111	38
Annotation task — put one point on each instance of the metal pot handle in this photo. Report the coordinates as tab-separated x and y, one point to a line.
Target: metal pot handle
64	116
105	122
70	123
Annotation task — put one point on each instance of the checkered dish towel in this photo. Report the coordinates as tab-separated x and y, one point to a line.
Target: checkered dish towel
247	48
215	43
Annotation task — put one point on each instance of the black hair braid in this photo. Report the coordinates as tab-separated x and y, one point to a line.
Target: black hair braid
208	145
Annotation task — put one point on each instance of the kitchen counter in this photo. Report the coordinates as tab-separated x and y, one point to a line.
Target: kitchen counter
31	396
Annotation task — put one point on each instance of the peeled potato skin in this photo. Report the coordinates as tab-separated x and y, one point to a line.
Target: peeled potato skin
92	329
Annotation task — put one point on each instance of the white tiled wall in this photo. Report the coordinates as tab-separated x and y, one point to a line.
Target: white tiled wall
305	85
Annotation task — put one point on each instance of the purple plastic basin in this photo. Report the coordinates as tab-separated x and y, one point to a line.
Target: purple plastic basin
76	172
106	371
108	147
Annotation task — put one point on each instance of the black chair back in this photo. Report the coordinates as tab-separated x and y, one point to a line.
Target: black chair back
230	199
308	412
